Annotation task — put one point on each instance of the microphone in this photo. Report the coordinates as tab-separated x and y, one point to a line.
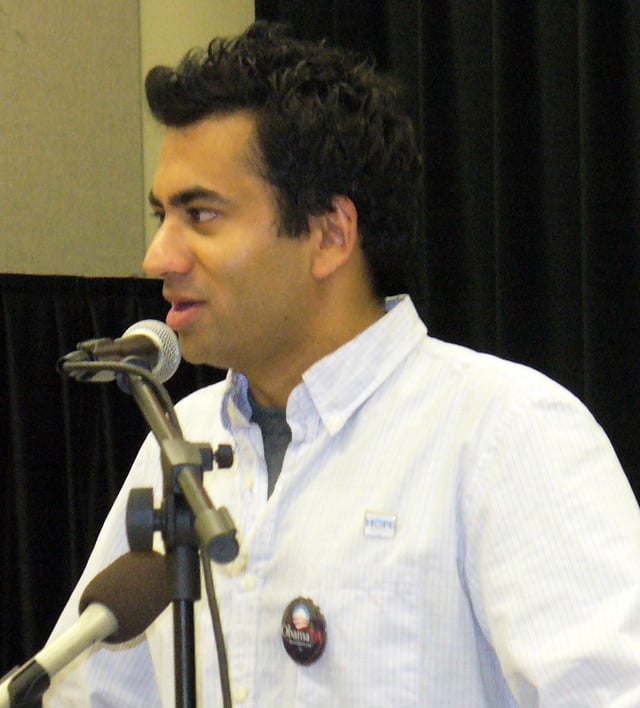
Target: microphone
151	343
116	606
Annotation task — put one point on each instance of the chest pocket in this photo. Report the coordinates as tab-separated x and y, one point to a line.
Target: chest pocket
373	638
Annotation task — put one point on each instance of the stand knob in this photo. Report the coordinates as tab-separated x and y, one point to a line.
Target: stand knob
141	518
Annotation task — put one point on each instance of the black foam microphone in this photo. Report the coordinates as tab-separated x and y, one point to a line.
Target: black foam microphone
116	606
151	343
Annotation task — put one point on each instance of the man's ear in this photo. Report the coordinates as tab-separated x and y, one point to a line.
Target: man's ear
337	237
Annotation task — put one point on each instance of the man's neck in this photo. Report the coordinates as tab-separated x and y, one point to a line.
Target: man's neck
273	387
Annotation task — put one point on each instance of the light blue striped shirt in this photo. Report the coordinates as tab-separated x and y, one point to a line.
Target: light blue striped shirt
462	522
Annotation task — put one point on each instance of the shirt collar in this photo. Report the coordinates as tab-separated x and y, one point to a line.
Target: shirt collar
339	383
342	381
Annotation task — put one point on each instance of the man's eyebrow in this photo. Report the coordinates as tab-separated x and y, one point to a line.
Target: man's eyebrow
186	196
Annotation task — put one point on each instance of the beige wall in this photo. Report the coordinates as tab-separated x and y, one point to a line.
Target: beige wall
76	148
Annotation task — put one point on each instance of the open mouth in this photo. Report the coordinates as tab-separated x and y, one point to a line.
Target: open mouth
183	305
183	313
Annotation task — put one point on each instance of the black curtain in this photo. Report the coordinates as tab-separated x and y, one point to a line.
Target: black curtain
528	115
66	447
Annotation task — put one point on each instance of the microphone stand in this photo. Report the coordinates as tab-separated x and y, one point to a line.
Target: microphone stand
187	520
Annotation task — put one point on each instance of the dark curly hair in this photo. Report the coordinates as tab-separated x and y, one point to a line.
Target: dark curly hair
327	124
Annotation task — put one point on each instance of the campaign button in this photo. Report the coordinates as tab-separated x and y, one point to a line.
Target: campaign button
304	631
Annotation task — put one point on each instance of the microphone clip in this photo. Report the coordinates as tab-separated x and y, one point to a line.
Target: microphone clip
81	366
187	516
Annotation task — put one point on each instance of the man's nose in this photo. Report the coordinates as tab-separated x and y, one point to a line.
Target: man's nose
168	253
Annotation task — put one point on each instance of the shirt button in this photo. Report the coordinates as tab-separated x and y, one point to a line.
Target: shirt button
240	694
249	582
248	482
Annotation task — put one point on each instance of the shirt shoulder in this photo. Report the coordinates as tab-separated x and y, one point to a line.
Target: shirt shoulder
464	379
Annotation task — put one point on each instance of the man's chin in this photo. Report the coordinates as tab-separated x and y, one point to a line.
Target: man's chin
195	354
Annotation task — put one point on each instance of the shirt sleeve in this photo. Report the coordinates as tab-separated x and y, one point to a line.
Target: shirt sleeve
552	555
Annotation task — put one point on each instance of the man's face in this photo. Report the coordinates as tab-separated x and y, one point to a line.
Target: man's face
238	291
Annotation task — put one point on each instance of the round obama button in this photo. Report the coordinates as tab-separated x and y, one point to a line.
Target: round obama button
304	631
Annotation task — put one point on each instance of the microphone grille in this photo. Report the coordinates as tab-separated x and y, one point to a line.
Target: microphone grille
167	343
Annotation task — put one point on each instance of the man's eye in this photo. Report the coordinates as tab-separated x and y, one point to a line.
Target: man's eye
199	216
158	215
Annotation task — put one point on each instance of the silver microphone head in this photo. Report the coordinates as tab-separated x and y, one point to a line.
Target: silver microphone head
166	342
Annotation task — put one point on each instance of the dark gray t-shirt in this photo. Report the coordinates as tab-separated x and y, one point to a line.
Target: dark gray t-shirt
276	436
